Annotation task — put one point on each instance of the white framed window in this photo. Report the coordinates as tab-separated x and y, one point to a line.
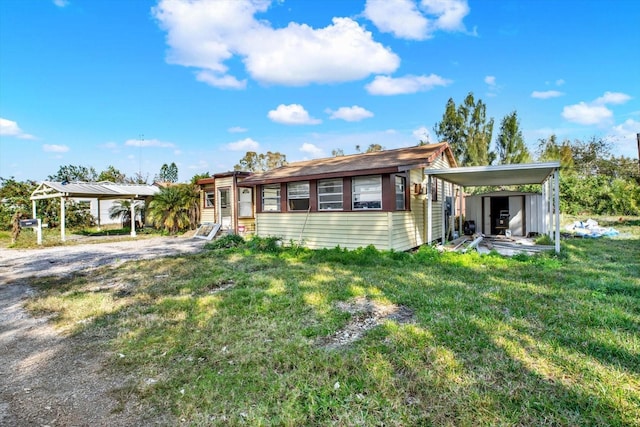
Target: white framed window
209	199
367	192
330	194
271	198
400	193
298	195
245	203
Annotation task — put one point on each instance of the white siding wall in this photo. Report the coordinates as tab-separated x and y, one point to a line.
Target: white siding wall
327	230
444	189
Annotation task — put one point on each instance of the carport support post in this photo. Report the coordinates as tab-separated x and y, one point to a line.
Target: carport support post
133	218
429	210
460	211
556	197
63	214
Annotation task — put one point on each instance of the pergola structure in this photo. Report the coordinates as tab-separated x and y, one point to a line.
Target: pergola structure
91	190
547	174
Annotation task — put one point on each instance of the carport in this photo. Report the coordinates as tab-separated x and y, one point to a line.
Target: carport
91	190
546	174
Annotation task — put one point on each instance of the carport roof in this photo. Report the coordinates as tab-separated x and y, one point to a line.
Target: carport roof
97	190
516	174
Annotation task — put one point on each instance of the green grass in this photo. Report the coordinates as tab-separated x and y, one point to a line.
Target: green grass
231	336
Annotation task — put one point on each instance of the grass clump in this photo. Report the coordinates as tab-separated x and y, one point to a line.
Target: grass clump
234	336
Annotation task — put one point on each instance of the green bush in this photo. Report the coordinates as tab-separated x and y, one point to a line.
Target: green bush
227	241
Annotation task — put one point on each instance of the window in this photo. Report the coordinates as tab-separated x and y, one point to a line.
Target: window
298	195
367	192
245	203
271	198
330	194
400	193
209	199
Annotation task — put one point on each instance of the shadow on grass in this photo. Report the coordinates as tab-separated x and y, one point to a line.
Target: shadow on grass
495	341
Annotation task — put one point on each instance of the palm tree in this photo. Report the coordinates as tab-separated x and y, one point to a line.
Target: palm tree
122	209
175	208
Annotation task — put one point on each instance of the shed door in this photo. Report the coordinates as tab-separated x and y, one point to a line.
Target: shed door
486	221
516	215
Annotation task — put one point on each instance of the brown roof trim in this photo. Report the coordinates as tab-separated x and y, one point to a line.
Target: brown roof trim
204	181
232	173
362	172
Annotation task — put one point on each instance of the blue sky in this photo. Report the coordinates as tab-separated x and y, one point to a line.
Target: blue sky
135	84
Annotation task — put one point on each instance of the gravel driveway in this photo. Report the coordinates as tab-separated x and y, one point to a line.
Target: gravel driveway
50	380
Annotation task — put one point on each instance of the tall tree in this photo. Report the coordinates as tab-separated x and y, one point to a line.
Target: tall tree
467	131
550	149
337	152
112	174
72	173
274	160
168	173
254	162
510	143
372	148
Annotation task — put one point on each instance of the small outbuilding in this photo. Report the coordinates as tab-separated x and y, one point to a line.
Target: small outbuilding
505	212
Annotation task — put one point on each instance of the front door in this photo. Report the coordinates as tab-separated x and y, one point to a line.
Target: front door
224	208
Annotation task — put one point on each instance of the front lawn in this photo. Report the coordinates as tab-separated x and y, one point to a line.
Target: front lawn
239	336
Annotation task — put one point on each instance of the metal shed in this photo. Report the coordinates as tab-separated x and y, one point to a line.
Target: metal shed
546	174
520	211
94	190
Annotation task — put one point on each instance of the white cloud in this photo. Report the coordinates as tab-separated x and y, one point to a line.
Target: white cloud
408	20
205	34
246	144
560	82
628	129
222	82
546	94
52	148
148	143
623	138
385	85
490	80
293	114
612	98
399	17
350	114
311	149
595	112
424	134
586	114
61	3
236	129
11	128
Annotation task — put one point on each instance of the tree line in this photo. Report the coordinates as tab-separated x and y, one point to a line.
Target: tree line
592	179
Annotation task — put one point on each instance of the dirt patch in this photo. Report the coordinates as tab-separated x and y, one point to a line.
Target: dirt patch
366	315
47	379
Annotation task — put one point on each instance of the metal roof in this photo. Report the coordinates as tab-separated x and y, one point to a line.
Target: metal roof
98	190
516	174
